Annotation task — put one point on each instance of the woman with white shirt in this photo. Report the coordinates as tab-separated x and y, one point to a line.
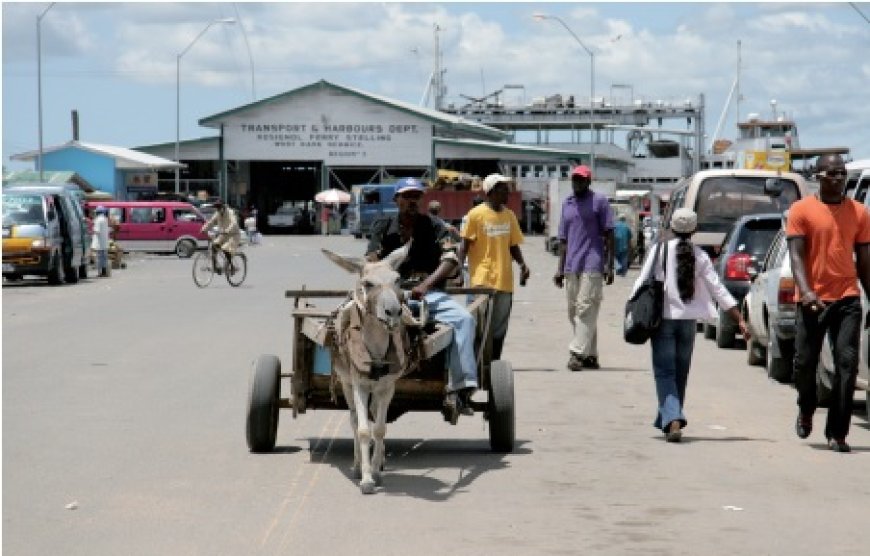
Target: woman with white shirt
690	286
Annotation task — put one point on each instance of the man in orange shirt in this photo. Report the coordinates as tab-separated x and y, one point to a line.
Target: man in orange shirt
829	245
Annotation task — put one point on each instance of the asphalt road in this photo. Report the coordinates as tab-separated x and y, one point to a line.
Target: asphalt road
124	406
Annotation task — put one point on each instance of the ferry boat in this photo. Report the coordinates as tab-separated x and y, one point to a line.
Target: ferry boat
766	144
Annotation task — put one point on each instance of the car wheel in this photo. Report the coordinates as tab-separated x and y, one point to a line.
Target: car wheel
185	248
754	353
55	272
724	331
70	272
780	367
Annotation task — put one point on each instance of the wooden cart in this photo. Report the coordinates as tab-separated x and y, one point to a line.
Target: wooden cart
313	386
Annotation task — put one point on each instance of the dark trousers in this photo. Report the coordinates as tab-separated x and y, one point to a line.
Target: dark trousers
842	321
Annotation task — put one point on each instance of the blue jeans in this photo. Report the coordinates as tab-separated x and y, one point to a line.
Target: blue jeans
672	348
461	360
621	262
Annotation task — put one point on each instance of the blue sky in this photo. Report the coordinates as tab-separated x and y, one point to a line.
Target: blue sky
116	62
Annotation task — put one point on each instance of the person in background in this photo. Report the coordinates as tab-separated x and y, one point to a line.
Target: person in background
100	241
585	263
690	285
491	238
622	244
430	262
828	238
251	226
434	210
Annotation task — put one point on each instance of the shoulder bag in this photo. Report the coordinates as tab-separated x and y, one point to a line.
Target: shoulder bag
643	310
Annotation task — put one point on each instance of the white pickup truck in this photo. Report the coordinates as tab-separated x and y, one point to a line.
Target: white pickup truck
286	217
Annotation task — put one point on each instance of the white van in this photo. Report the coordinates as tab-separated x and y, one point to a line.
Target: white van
721	197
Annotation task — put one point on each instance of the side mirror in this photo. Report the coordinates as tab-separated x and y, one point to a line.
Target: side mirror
774	186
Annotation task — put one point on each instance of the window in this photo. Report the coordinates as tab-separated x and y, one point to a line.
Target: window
185	215
722	200
116	214
371	197
147	215
756	236
861	191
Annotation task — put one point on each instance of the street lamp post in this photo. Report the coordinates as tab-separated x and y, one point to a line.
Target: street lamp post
39	84
227	20
541	17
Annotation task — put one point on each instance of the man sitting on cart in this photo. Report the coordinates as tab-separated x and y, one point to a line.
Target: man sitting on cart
431	260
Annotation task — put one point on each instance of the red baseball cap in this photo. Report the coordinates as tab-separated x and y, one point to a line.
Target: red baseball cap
583	171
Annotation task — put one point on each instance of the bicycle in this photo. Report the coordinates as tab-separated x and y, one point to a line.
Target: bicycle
204	270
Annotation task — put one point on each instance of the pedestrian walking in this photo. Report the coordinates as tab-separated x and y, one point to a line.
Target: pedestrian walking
100	241
585	264
622	244
491	239
829	247
690	286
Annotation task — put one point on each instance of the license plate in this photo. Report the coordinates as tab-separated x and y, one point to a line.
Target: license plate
8	268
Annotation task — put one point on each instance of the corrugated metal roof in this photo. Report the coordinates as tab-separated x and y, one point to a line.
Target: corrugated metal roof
451	122
125	159
48	176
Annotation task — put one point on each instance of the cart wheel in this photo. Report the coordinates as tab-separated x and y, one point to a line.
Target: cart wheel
502	427
262	426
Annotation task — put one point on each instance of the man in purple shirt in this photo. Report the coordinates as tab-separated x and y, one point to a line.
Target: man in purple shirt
585	264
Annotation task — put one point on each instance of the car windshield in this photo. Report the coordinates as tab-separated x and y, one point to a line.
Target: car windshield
756	236
722	200
22	209
287	210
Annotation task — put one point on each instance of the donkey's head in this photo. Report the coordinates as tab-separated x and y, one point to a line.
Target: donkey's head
377	291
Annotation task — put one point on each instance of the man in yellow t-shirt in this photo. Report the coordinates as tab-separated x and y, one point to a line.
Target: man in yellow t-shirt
491	238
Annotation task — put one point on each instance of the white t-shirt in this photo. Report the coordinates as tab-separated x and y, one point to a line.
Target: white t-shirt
707	286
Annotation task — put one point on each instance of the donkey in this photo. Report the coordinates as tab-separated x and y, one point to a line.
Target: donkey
370	352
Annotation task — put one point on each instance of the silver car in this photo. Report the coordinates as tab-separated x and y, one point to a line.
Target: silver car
770	310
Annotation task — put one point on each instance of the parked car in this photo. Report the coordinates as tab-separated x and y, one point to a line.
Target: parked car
720	197
744	246
286	218
44	233
770	311
156	226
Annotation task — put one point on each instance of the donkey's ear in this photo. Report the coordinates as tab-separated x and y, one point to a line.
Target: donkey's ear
398	256
350	265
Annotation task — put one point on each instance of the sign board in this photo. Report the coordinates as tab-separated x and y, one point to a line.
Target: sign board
339	128
140	181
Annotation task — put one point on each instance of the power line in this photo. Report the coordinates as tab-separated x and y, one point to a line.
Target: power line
859	12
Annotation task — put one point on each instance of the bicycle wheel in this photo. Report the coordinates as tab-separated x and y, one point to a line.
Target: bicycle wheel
239	271
202	270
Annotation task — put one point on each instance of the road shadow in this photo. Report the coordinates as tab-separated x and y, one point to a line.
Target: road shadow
566	370
824	447
688	439
411	463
